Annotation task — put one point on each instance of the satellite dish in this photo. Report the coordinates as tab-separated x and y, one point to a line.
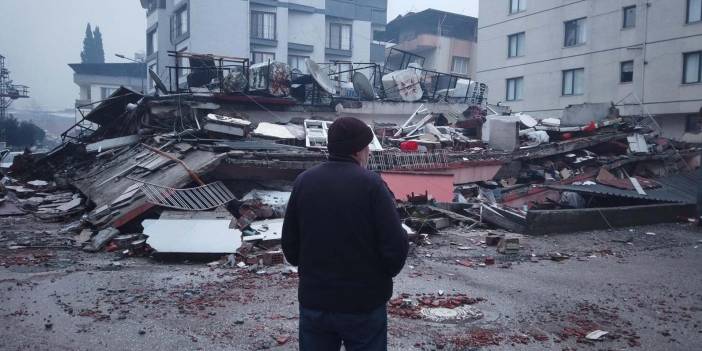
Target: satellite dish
362	86
158	82
320	77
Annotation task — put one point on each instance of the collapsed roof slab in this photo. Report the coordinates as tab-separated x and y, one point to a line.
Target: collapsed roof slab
105	181
115	105
274	165
562	147
568	221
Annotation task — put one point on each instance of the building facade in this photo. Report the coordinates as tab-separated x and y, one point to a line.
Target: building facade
541	56
97	81
261	30
446	40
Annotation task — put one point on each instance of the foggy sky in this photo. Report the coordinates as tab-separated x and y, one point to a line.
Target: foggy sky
40	37
401	7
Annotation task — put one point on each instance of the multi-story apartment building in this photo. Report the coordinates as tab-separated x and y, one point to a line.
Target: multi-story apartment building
541	56
97	81
446	40
282	30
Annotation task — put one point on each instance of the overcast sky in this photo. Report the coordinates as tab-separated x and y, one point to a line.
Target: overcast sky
40	37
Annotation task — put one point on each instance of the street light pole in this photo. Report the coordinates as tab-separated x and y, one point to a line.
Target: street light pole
143	84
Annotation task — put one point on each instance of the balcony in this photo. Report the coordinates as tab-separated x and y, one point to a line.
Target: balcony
82	102
421	42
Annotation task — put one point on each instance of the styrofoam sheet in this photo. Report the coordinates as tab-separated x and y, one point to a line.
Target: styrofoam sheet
192	235
270	229
271	130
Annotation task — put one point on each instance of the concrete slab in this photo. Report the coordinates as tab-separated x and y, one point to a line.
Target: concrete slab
580	115
504	135
114	143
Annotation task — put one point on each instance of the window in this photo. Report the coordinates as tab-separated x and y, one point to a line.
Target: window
694	11
574	32
339	36
181	22
516	6
516	45
515	87
106	92
460	65
626	74
263	25
298	62
573	82
151	42
262	57
692	67
629	20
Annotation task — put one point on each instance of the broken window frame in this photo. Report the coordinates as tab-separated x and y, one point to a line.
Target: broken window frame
629	17
515	89
266	57
264	25
689	66
693	15
516	42
626	76
464	65
517	6
575	32
339	36
576	86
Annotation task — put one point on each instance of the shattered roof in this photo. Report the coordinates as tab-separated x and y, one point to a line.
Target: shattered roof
113	107
680	188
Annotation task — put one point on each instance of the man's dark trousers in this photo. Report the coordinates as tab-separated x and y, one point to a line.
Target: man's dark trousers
325	331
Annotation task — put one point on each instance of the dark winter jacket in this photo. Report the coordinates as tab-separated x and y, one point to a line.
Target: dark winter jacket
343	231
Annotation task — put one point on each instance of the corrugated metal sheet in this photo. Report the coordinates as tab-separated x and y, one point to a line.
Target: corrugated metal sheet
681	188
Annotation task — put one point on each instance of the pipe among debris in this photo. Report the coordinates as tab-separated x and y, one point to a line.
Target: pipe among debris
192	173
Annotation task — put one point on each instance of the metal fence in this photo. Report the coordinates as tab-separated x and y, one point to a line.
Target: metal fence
398	160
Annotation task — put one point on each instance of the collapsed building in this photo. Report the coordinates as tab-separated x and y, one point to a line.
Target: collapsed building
206	165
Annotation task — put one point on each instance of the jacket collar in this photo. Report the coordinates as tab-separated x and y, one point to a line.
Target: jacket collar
340	158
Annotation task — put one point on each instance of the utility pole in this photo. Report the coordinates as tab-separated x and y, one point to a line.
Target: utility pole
9	92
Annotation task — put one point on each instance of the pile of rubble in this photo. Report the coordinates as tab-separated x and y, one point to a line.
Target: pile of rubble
209	171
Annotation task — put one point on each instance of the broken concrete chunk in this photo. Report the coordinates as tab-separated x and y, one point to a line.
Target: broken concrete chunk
596	335
83	237
101	239
70	205
38	183
504	135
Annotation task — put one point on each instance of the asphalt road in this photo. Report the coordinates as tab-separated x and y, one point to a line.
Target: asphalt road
641	285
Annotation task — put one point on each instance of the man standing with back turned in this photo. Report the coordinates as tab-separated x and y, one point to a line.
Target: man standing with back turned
343	231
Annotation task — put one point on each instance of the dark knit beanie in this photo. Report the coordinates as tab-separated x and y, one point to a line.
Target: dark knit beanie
347	136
